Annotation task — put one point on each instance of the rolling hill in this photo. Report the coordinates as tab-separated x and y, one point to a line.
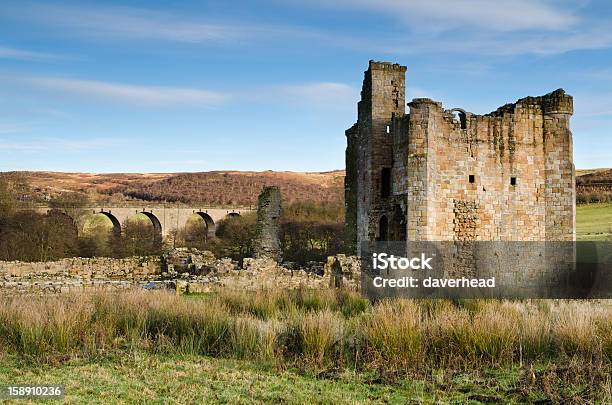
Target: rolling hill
216	188
209	188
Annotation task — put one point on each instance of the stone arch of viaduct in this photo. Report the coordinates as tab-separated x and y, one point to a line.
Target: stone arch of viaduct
165	220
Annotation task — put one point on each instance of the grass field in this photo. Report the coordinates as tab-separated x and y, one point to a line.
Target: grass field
154	378
306	346
594	222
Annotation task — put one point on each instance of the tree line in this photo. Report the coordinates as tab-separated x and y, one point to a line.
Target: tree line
28	235
310	231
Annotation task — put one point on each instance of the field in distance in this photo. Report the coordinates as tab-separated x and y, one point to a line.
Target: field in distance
594	222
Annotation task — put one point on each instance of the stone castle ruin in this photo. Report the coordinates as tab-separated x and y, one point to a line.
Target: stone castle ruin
434	174
267	241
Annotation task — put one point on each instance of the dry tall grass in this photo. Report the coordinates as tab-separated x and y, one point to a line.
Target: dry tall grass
310	329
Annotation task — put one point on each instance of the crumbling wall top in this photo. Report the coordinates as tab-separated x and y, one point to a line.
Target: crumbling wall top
421	101
556	102
376	65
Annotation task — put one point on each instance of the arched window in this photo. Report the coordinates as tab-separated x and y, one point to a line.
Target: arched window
460	117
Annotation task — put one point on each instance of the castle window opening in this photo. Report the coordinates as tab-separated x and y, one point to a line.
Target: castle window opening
385	182
388	129
513	181
471	178
460	117
383	228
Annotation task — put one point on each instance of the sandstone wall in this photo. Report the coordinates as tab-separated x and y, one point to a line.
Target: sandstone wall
503	176
267	233
382	99
507	175
77	273
183	269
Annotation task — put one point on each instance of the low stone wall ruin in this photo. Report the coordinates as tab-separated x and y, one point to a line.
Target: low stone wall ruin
183	269
76	273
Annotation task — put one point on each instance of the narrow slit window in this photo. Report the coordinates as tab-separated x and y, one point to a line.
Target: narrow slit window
385	182
513	181
471	178
388	129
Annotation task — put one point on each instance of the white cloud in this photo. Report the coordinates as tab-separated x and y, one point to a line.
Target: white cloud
481	27
443	15
326	93
121	22
588	38
145	24
21	54
130	93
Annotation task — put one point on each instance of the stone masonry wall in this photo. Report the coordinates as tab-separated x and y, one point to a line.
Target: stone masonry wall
184	269
350	189
512	168
267	239
77	273
382	98
461	177
458	176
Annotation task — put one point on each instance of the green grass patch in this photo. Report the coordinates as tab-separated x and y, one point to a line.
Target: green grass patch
155	378
594	222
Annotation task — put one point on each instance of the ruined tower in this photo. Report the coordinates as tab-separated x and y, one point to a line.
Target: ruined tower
450	175
369	153
267	233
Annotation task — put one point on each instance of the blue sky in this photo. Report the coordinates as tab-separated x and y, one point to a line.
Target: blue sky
147	86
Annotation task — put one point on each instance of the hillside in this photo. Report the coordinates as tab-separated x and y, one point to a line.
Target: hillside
596	178
229	187
236	188
594	185
209	188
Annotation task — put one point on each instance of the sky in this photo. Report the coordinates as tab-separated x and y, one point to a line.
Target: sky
157	86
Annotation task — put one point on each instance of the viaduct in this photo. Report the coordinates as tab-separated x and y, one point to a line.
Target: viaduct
164	219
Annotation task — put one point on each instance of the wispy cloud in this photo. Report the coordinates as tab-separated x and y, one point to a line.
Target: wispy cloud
22	54
130	93
477	27
326	94
323	93
483	27
144	24
121	22
14	128
444	15
592	37
57	144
